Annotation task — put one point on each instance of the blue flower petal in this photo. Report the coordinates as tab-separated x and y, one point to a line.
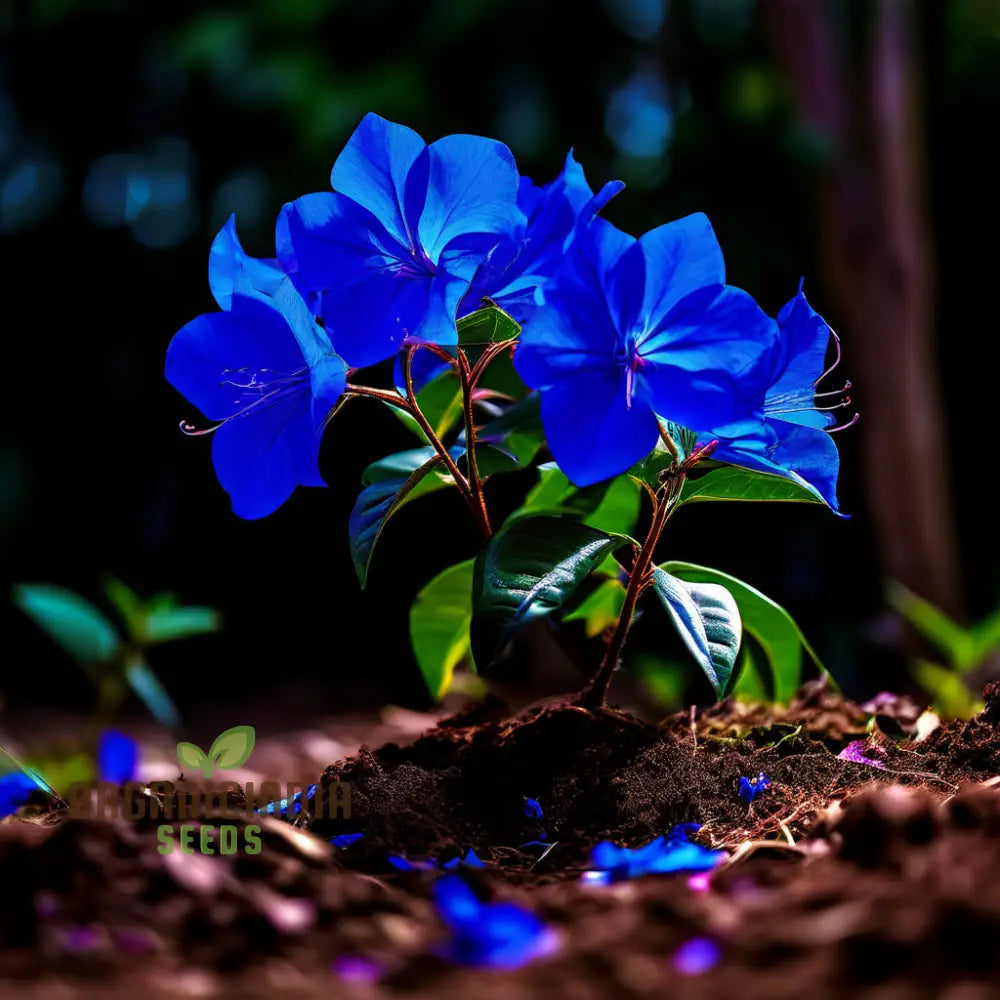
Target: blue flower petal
456	902
680	258
344	840
706	363
805	337
231	270
592	433
805	455
117	757
14	791
471	188
372	170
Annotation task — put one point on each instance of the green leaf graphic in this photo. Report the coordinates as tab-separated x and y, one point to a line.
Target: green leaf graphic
232	748
191	756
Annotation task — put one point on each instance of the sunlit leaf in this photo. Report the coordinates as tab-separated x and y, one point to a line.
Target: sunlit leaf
600	609
731	482
780	638
439	625
707	619
487	326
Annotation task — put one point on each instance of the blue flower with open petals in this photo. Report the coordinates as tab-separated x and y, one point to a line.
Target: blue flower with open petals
664	855
496	935
532	251
786	432
388	257
265	372
635	328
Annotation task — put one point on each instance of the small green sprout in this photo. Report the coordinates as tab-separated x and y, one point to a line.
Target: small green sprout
113	655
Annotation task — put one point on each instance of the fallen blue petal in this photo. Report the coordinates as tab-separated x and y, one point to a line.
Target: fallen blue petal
117	757
471	860
532	809
345	839
750	788
494	935
664	855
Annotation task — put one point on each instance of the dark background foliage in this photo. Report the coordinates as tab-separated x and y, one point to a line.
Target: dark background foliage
128	133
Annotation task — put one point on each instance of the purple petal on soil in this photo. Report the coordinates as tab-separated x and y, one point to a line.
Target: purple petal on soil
133	942
345	839
80	938
696	956
856	753
356	969
701	882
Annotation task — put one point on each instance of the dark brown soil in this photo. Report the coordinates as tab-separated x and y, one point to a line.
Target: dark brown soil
843	880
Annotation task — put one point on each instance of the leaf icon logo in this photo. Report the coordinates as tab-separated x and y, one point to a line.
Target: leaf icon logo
229	750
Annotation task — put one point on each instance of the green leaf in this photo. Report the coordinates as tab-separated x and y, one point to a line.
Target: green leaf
191	756
73	622
529	569
487	326
749	685
706	616
179	623
769	623
618	511
152	693
518	430
600	609
128	603
387	485
730	482
986	635
951	698
439	625
232	748
958	644
611	506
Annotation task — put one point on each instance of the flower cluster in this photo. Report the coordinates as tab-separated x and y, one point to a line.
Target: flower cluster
618	333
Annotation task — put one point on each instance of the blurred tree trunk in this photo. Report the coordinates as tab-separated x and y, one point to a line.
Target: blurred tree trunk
878	265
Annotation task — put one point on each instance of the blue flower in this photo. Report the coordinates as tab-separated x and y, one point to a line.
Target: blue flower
786	432
14	791
672	853
528	256
496	935
750	788
471	860
388	258
633	329
265	371
532	808
117	757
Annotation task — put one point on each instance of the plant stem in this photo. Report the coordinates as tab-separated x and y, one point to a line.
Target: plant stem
594	694
465	375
